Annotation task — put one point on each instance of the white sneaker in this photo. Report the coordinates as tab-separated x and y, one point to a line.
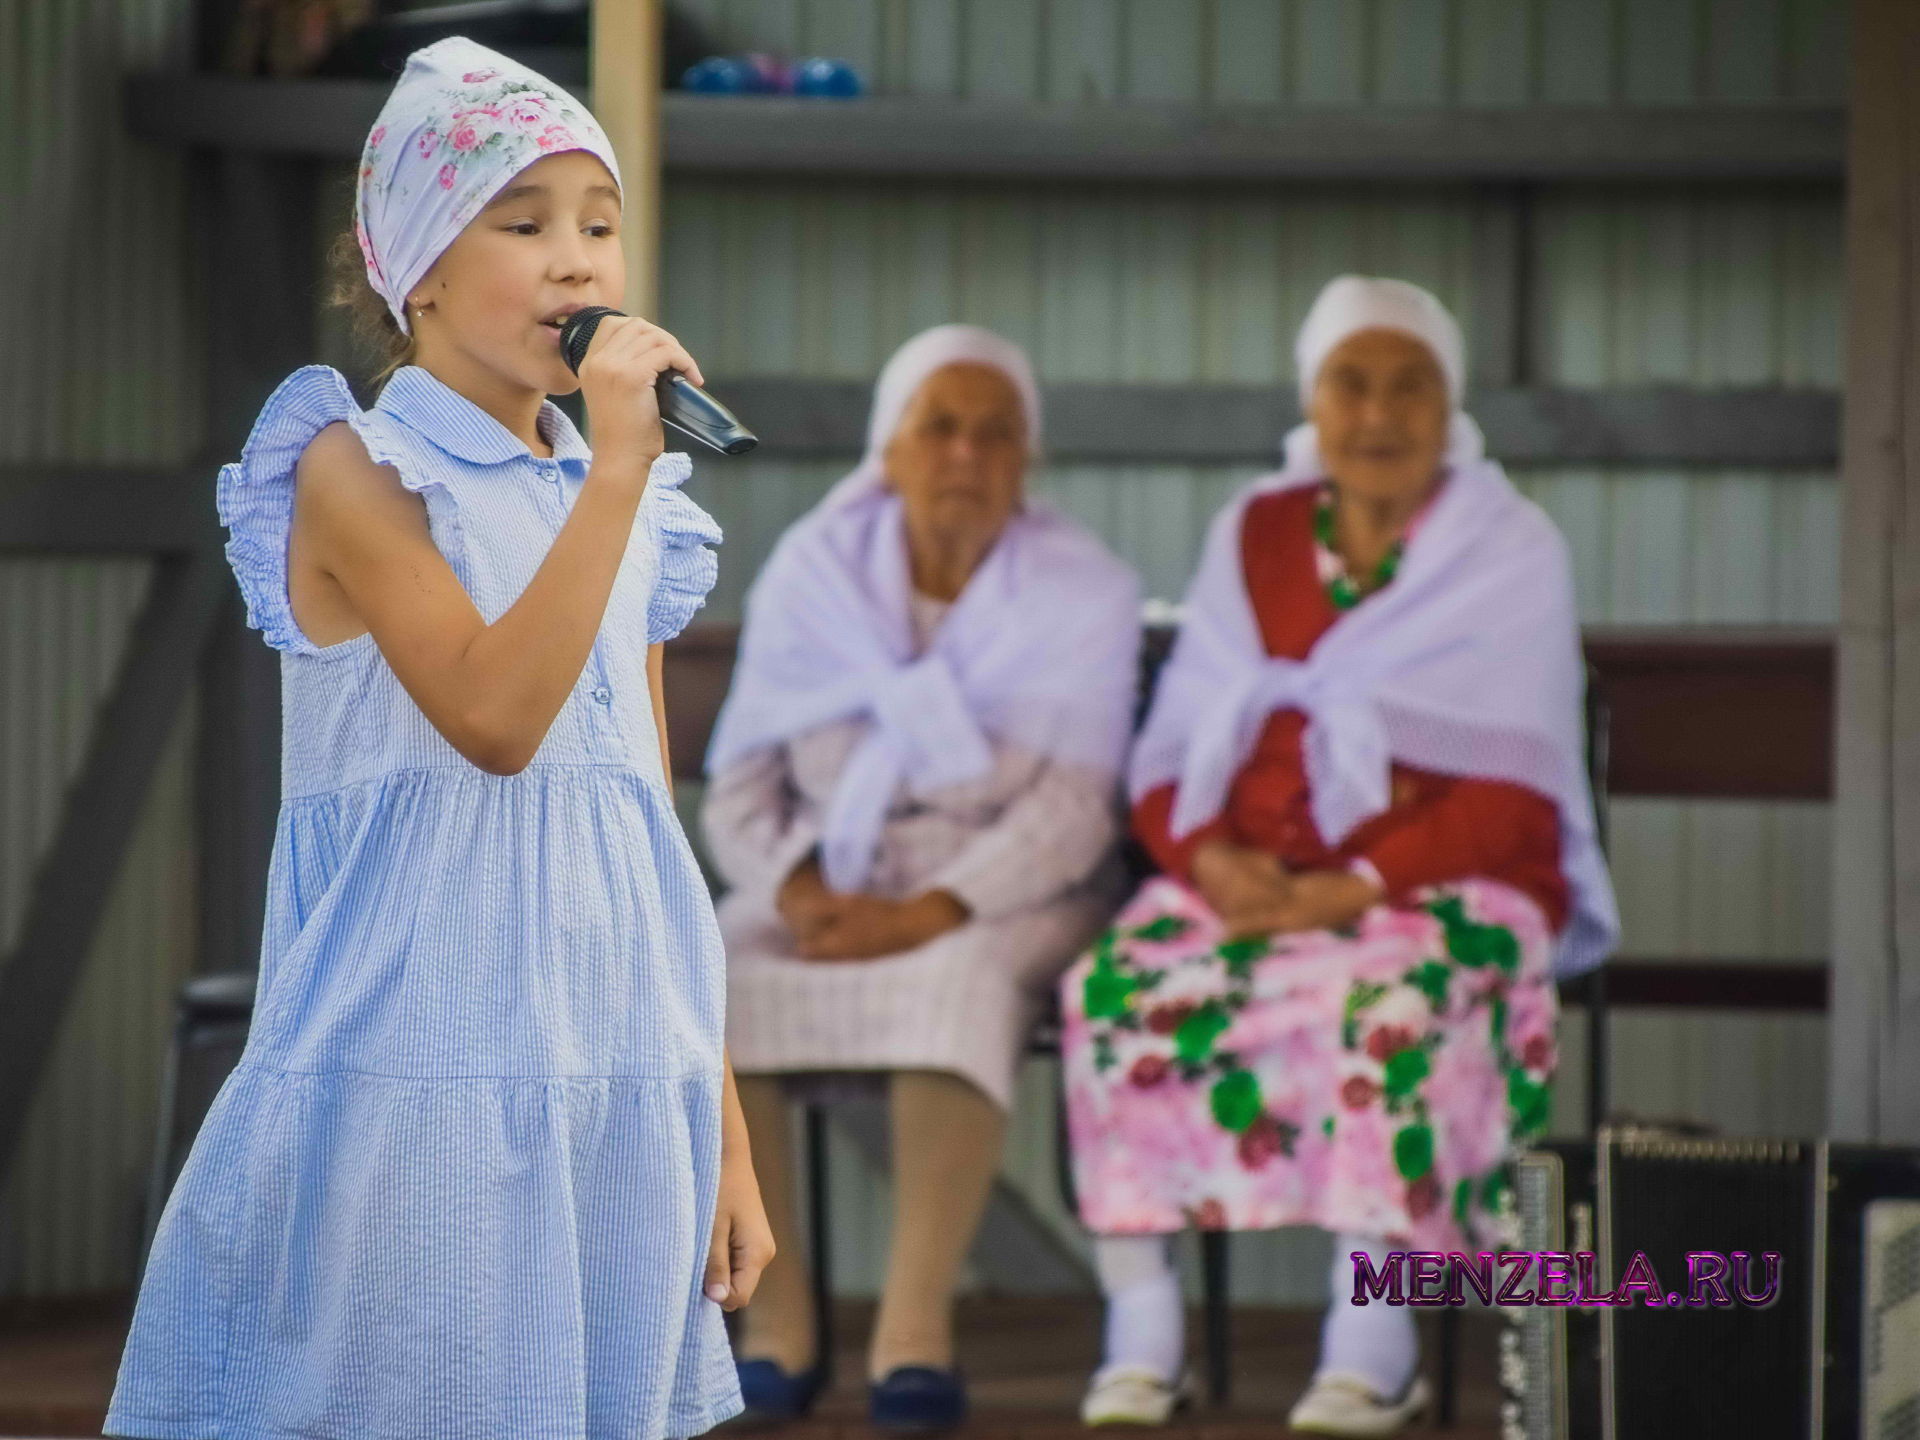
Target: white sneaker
1132	1395
1346	1405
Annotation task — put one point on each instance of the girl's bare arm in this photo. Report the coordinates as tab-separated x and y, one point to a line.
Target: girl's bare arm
491	690
657	684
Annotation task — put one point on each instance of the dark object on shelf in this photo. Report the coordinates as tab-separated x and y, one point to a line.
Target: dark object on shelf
287	38
550	36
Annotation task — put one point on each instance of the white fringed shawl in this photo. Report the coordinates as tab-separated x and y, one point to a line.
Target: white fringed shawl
1040	650
1467	664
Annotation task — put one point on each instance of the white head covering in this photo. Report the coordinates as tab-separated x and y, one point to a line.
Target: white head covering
828	637
1349	304
903	375
461	122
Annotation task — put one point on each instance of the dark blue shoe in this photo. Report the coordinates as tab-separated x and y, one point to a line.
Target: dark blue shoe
771	1393
917	1400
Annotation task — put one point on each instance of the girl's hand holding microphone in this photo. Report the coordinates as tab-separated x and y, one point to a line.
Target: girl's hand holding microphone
623	363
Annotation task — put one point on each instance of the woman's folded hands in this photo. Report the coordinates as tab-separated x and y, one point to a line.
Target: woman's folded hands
828	925
1254	894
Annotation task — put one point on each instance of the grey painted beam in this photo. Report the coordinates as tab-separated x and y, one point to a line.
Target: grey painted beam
105	509
77	873
1134	142
142	511
318	118
1233	424
911	138
1659	425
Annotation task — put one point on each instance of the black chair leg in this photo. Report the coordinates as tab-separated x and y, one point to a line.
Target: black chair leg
1219	1315
1599	1069
822	1224
1063	1147
1448	1399
158	1172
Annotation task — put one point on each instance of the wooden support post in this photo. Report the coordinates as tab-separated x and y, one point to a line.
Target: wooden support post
1874	1089
625	74
820	1226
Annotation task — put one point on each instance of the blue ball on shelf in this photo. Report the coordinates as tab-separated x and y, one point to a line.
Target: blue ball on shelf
826	78
721	75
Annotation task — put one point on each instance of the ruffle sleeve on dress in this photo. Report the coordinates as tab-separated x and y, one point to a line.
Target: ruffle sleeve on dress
255	493
684	533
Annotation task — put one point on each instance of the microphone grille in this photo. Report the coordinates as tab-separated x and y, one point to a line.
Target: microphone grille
576	334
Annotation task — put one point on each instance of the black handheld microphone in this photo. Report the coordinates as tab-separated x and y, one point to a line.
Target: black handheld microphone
683	404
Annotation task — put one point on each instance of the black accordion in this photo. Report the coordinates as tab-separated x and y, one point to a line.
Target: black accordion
1833	1352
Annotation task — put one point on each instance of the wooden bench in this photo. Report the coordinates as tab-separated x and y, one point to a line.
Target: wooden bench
1720	713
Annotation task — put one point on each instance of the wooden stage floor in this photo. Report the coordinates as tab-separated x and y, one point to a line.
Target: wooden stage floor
1027	1361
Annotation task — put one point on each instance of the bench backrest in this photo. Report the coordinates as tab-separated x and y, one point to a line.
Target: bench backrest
1721	714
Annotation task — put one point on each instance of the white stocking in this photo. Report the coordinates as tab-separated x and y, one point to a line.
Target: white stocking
1376	1341
1145	1317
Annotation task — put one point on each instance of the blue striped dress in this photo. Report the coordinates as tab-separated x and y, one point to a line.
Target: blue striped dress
462	1183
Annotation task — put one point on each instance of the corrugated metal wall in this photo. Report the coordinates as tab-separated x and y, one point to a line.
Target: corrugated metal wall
69	1212
1705	287
1701	286
101	364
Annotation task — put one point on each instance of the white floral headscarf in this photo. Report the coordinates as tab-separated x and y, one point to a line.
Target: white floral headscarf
461	122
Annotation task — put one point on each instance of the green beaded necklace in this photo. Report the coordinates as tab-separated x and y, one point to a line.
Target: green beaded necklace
1342	590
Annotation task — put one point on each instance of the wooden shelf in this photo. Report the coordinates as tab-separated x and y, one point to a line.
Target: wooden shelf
106	509
902	138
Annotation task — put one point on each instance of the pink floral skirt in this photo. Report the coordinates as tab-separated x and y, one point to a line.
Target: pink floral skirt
1374	1080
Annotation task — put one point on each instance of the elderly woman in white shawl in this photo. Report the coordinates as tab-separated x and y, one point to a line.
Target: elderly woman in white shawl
1362	779
915	798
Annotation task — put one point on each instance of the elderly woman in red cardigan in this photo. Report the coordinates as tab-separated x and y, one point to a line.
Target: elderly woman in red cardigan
1362	780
